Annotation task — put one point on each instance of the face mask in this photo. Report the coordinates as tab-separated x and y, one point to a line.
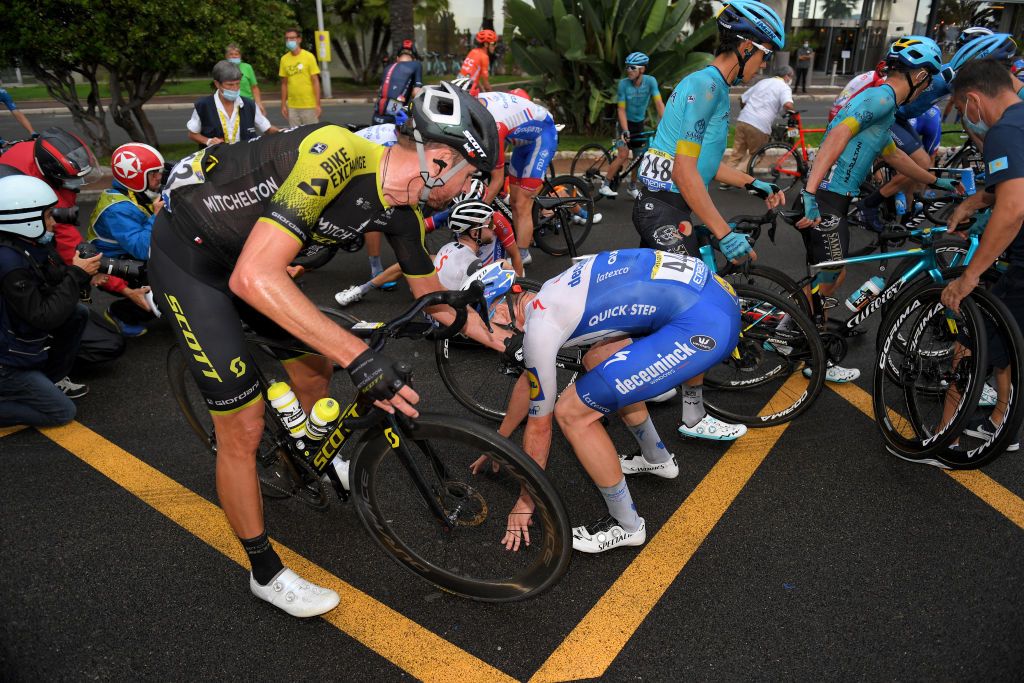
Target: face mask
152	194
979	127
230	95
46	238
235	60
291	44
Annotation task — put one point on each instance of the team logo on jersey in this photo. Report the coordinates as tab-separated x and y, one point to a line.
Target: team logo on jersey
616	357
702	342
536	393
318	148
317	187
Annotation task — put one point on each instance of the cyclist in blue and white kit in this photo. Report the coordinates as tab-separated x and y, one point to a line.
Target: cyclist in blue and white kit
654	320
858	134
636	92
686	154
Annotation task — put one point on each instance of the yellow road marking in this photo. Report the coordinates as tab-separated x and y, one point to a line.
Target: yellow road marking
1000	498
590	648
393	636
6	431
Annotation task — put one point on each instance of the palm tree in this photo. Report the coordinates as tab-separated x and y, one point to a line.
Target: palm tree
401	23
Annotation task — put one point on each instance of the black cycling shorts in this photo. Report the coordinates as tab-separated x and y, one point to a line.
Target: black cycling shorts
905	136
830	239
192	292
636	140
1010	290
656	217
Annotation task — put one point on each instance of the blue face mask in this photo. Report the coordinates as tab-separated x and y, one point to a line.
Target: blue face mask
46	238
979	127
235	60
291	44
230	95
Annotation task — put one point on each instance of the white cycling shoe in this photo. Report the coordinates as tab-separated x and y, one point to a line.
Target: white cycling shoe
988	397
525	256
349	296
636	463
605	534
295	595
606	191
837	374
580	220
713	429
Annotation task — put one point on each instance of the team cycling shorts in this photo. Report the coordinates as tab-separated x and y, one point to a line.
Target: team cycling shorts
830	239
656	217
637	141
530	158
689	344
206	320
929	127
904	135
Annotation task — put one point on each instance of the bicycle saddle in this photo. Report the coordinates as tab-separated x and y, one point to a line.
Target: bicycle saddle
555	202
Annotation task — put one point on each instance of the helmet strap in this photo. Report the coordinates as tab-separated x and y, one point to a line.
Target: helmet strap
430	182
741	60
913	88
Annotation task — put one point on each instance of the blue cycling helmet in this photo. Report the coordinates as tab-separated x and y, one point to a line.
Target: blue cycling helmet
752	20
970	33
998	46
915	52
637	59
497	280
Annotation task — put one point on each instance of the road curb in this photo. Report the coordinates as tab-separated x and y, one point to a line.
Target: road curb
174	106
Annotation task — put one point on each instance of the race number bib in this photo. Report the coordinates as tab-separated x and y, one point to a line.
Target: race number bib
188	171
680	268
656	171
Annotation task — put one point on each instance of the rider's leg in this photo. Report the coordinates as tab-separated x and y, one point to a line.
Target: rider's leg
522	211
614	168
309	375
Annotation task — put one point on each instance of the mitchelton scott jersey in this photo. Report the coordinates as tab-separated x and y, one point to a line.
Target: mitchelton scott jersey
614	294
318	184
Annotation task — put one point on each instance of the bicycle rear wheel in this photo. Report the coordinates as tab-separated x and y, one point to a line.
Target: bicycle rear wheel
550	227
766	277
779	163
929	374
467	559
762	384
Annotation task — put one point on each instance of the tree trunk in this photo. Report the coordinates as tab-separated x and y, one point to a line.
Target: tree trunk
119	109
90	119
401	23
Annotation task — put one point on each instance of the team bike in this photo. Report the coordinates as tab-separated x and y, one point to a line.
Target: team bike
411	479
785	163
593	159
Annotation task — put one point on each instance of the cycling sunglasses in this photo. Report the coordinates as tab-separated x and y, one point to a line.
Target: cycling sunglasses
765	51
632	68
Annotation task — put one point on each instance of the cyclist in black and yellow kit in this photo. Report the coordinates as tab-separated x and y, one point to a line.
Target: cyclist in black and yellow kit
238	215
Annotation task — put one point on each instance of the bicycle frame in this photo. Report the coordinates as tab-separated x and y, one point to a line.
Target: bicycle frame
800	142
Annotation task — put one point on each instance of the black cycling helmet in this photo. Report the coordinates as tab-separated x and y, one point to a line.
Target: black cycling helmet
443	113
62	156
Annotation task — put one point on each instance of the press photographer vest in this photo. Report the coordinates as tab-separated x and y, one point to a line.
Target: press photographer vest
107	200
210	124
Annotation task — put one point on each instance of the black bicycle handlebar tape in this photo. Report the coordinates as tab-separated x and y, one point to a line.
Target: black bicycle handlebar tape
376	376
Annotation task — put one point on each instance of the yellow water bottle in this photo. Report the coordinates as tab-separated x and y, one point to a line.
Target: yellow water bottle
322	419
283	400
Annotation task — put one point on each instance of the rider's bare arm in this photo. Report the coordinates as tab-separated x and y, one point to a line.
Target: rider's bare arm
695	193
905	165
474	329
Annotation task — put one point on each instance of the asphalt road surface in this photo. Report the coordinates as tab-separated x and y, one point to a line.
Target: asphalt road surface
804	552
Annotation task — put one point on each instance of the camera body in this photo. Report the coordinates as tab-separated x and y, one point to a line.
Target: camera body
66	214
125	268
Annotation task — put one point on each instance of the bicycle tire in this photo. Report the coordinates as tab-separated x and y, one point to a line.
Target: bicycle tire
462	363
787	171
766	277
766	386
277	474
591	168
549	231
977	452
447	557
911	379
949	252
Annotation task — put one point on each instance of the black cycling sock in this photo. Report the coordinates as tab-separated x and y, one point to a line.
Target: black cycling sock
873	200
265	562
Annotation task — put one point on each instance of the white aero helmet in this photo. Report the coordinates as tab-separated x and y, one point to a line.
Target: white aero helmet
23	201
469	214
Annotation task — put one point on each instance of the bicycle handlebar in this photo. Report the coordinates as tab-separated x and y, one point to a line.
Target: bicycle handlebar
459	300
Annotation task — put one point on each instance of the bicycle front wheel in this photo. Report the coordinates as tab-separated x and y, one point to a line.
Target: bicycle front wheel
763	382
466	557
929	374
779	163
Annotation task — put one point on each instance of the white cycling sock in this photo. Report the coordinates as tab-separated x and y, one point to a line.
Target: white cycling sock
650	443
620	505
693	405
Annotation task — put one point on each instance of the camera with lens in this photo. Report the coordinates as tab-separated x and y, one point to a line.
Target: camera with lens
168	167
66	214
125	268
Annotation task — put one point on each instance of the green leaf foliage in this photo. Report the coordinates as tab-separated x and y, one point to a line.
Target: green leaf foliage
577	48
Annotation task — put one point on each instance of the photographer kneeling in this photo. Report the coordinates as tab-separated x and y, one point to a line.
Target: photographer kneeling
120	228
41	319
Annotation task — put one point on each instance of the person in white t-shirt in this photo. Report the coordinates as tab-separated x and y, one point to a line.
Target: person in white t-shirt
761	104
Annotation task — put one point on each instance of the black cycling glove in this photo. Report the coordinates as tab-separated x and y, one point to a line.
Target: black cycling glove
513	353
375	376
